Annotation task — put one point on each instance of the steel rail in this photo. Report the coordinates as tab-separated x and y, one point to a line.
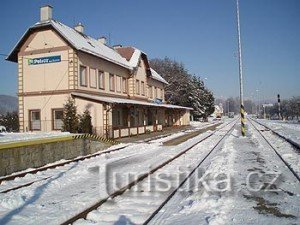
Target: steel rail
119	192
34	171
277	153
190	174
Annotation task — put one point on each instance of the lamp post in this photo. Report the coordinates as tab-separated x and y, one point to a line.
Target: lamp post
242	109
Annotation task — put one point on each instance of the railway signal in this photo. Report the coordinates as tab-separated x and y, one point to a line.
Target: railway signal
279	108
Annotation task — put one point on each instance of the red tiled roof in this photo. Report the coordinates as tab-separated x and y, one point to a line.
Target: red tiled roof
126	52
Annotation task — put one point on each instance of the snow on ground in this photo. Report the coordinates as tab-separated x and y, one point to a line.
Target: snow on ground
137	204
251	165
288	130
12	137
70	188
244	163
195	126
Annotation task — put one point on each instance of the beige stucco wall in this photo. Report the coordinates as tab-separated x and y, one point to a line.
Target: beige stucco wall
157	84
107	67
45	77
49	76
43	39
45	103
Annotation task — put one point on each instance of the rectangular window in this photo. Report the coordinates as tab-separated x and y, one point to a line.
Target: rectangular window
83	76
111	82
143	88
119	81
124	85
57	117
155	92
150	92
35	119
100	80
161	94
137	87
93	78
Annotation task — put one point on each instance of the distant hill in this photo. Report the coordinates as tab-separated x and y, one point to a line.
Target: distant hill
8	104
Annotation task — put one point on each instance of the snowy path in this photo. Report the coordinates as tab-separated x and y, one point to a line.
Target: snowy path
251	165
288	130
76	186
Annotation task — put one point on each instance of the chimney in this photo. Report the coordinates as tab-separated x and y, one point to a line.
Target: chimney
46	13
117	46
79	27
102	40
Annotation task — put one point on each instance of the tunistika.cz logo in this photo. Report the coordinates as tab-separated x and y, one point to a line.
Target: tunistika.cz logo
44	60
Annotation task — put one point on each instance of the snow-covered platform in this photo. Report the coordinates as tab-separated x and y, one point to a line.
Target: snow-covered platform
27	136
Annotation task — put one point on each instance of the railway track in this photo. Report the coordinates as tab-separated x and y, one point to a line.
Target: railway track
119	192
34	171
296	145
291	143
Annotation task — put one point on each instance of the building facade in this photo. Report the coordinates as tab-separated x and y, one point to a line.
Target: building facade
116	84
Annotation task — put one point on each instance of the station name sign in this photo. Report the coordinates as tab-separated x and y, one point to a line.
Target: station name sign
44	60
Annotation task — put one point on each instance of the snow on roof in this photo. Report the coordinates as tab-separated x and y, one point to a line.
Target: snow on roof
135	58
158	77
83	43
89	45
126	101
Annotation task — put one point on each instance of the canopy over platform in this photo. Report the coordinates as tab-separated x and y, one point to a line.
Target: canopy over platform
126	101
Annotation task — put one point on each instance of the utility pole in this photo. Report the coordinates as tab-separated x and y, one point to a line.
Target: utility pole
242	109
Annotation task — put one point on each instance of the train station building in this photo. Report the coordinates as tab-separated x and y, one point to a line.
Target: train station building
116	84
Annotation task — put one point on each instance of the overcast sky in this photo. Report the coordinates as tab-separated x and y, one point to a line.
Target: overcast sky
201	34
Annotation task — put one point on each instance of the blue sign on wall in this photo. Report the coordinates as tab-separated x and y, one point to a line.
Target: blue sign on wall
44	60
